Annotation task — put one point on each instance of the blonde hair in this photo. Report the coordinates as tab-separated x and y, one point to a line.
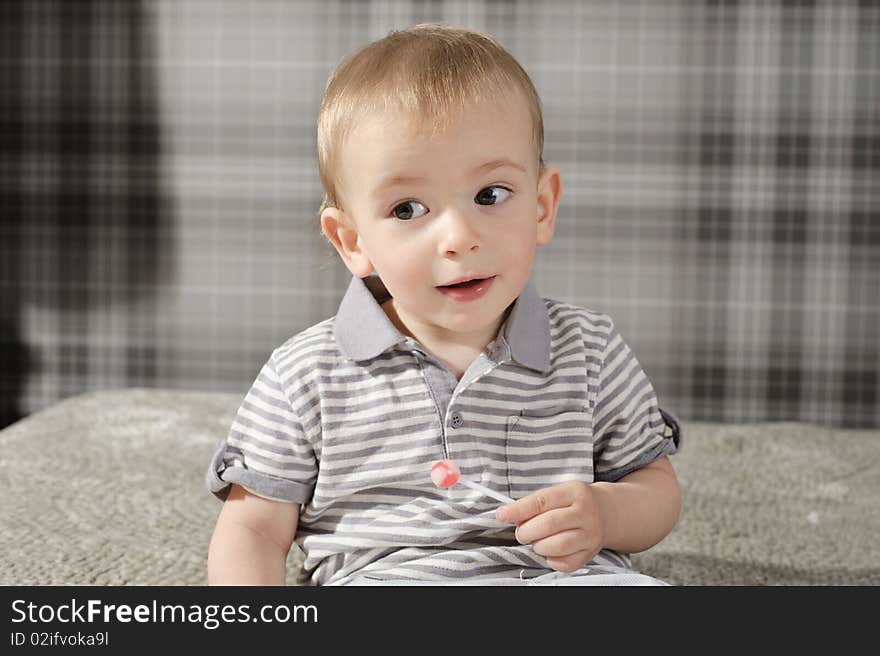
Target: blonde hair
429	71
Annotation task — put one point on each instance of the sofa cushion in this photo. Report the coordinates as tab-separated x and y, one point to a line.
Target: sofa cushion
108	488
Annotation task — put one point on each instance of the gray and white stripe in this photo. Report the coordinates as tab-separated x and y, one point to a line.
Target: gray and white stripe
347	418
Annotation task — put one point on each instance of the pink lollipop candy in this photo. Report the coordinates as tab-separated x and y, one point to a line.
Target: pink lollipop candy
445	474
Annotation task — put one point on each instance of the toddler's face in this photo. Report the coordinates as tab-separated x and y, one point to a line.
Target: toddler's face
425	213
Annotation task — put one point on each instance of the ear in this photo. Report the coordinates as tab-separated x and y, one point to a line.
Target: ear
549	193
342	233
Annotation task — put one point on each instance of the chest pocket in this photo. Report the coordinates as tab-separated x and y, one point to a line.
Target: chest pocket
545	451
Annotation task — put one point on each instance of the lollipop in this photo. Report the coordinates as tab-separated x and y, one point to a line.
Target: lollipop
445	474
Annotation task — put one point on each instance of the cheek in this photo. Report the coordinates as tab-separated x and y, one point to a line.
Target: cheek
381	244
519	240
399	262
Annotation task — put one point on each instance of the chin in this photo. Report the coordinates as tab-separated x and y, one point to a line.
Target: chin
468	323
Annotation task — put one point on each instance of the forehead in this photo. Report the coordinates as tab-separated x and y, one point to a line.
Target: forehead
392	141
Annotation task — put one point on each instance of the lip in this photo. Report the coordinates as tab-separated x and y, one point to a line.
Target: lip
472	276
470	293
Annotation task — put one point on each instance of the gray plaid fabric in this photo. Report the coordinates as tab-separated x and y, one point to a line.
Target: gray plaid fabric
720	163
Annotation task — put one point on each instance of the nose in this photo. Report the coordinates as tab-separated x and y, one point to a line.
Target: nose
457	234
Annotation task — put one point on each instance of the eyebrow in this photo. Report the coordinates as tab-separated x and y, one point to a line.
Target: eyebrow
482	168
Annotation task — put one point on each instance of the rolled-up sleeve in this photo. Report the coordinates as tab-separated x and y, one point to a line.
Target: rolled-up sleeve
266	450
629	428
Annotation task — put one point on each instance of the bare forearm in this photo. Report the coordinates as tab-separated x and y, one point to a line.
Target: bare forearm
641	508
240	556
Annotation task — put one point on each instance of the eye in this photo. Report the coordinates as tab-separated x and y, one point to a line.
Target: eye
492	195
403	211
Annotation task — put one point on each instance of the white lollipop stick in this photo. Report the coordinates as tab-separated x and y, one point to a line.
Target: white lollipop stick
485	490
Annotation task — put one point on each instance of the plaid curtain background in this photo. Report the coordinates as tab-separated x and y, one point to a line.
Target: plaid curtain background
158	190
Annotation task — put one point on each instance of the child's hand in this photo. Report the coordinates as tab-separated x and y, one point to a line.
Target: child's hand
565	523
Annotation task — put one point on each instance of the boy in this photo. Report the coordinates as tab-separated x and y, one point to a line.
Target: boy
436	198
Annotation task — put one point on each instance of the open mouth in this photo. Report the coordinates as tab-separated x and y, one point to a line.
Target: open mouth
467	290
473	282
466	284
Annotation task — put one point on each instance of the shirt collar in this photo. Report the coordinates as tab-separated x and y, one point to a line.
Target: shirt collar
363	331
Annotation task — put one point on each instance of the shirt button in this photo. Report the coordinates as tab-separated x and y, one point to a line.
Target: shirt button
457	421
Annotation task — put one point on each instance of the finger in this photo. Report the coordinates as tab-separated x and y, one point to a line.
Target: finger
570	563
534	504
547	524
563	544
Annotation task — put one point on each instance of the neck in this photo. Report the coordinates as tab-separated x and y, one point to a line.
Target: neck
457	350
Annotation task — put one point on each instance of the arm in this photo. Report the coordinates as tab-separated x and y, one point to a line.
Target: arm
641	508
571	522
251	540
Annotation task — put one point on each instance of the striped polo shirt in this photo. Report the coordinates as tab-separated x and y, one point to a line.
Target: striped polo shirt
348	416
